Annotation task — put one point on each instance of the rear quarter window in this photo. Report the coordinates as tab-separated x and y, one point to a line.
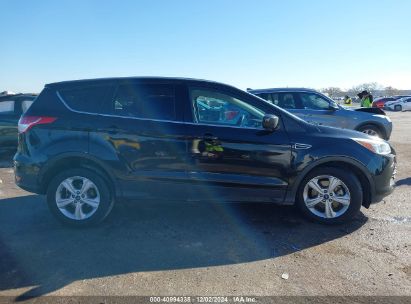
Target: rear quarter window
149	101
87	99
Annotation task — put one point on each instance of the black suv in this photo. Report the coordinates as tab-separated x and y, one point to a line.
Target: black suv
89	143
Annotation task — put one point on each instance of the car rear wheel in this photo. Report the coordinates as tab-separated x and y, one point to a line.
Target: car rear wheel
371	130
330	195
398	108
79	197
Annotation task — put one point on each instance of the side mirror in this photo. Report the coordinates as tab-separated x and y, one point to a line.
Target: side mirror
270	122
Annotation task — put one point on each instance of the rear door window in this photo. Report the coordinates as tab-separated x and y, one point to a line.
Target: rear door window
151	101
286	100
87	99
272	98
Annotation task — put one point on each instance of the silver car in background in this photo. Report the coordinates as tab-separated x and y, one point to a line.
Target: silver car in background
317	108
403	104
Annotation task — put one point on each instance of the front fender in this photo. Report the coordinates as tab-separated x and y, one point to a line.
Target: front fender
292	191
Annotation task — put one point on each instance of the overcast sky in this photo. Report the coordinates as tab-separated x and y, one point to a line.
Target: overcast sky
264	43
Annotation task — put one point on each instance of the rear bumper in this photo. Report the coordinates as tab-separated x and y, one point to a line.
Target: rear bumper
26	175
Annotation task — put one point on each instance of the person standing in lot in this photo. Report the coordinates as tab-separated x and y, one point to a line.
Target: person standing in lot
347	100
366	99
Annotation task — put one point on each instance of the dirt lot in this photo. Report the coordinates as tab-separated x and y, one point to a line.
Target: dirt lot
208	249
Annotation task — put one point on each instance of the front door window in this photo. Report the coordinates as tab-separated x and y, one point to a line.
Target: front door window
216	108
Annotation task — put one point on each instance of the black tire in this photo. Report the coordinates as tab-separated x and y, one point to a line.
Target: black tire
105	194
353	185
398	108
368	129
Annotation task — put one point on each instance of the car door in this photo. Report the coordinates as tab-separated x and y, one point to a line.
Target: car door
142	127
316	109
231	157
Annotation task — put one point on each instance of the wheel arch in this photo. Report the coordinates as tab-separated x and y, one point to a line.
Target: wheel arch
76	160
378	125
336	162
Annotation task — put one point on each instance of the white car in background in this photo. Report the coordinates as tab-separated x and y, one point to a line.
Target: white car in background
402	104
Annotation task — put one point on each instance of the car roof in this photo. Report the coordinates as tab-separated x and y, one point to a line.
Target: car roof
273	90
125	79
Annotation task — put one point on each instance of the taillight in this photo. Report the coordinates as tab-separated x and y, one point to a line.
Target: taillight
27	122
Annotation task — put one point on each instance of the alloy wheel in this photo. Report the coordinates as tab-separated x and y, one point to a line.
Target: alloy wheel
370	132
326	196
77	198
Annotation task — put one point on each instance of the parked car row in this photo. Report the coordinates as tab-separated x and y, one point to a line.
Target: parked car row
87	144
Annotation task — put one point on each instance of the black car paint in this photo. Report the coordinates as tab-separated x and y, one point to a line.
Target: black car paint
163	159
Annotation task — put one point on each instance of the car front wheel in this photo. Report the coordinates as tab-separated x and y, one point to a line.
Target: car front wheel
398	108
330	195
79	197
371	130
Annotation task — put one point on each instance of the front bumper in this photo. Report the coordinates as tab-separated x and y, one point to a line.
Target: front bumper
384	178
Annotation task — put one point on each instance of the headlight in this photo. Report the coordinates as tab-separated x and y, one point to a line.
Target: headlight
382	117
377	146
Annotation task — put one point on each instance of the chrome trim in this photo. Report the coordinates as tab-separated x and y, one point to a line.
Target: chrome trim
148	119
299	146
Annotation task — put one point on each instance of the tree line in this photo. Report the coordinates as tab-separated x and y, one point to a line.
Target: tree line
373	87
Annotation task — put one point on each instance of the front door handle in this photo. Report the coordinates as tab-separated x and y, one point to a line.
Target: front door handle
112	130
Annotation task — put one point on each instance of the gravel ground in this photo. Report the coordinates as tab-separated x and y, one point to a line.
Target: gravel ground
157	248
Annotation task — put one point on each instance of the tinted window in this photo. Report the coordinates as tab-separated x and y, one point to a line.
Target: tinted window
262	95
274	98
270	97
217	108
286	101
314	102
6	107
87	99
145	101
